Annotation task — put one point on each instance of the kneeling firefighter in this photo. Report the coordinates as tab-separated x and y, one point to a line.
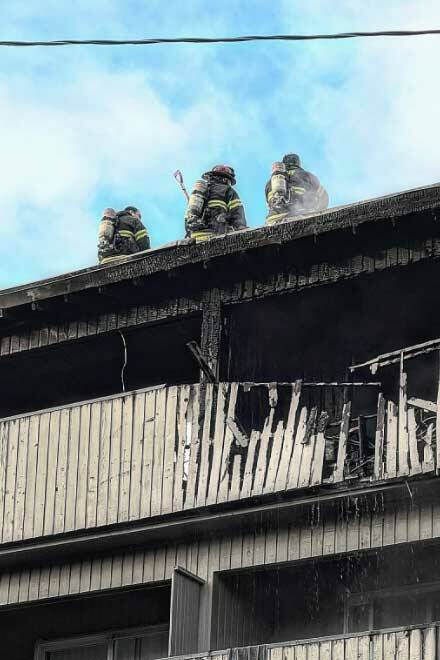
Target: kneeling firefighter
293	191
121	234
214	207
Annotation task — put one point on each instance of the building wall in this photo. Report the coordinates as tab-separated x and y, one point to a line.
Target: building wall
319	535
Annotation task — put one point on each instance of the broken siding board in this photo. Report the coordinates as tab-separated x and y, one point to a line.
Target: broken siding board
72	469
104	463
222	494
148	455
275	457
318	459
428	464
10	480
309	442
416	467
125	461
246	488
380	436
403	438
260	472
338	474
136	456
392	430
234	493
288	439
182	434
169	453
205	446
193	463
295	463
52	460
220	425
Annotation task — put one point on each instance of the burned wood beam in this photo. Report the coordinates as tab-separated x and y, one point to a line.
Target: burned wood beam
421	403
204	366
395	356
238	433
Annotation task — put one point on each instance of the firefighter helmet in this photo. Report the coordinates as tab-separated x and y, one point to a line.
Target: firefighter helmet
224	171
291	160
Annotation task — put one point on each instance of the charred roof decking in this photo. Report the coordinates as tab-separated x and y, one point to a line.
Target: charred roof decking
178	254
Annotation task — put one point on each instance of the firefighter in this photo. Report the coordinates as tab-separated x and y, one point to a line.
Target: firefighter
121	234
214	207
292	191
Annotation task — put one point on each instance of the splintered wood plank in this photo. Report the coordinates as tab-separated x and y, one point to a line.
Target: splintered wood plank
403	438
391	439
325	651
194	456
288	438
115	461
92	475
275	457
205	446
437	425
234	492
31	474
416	468
125	464
338	650
104	462
343	438
40	488
318	457
20	483
147	455
402	639
4	438
295	463
223	488
61	476
182	435
170	451
389	646
159	450
364	648
308	442
428	464
81	493
248	475
220	425
260	471
313	651
380	436
72	469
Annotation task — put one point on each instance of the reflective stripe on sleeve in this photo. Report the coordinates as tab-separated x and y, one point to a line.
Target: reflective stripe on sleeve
273	219
107	260
201	236
219	203
141	234
235	203
126	233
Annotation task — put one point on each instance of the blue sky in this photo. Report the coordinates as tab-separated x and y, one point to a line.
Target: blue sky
82	128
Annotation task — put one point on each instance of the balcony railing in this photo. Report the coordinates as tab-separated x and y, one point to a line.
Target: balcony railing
169	449
411	643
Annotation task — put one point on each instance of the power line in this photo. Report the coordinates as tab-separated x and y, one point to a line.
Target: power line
219	40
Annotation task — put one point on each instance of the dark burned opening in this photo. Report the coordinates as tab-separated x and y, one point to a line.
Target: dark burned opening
92	367
316	334
389	588
23	627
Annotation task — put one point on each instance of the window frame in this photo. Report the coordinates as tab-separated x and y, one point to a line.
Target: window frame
43	648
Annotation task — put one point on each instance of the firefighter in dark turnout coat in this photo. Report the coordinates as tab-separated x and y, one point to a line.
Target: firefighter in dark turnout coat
214	207
293	191
121	234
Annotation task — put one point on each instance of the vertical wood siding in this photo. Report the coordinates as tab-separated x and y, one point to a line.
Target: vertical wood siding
167	449
317	536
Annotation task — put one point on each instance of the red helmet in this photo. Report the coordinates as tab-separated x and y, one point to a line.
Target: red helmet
224	170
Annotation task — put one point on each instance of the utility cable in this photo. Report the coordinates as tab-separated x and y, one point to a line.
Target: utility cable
220	40
125	361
